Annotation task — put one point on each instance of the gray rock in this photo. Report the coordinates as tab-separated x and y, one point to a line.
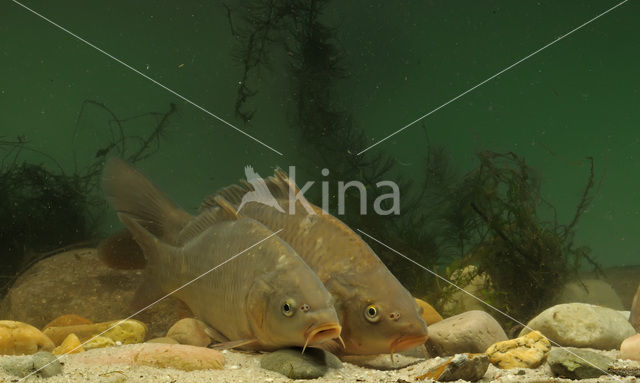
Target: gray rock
292	363
592	291
634	316
469	367
77	282
574	363
43	364
582	325
472	331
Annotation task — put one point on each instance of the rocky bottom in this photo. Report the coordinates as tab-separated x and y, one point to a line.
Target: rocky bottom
246	367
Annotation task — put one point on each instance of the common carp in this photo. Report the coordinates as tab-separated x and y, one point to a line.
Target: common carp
262	296
377	314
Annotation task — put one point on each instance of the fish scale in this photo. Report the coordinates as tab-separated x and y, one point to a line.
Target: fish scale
377	314
265	298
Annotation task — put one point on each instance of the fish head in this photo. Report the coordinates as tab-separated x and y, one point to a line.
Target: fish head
379	319
291	307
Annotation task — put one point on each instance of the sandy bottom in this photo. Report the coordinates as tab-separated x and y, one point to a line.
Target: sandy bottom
243	367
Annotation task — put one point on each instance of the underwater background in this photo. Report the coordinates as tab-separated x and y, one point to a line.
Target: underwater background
319	81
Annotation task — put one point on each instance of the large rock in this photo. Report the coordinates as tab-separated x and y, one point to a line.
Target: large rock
528	351
582	325
634	317
292	363
576	363
473	283
472	332
593	291
17	338
178	356
77	282
630	348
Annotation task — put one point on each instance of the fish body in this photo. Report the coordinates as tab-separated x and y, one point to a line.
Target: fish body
377	314
264	296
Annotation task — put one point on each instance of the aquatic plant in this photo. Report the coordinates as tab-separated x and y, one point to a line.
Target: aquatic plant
526	257
44	210
489	217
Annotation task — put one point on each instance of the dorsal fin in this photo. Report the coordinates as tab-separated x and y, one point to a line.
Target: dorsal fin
133	194
222	211
278	185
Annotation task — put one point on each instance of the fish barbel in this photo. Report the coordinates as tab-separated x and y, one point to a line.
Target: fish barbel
377	314
263	299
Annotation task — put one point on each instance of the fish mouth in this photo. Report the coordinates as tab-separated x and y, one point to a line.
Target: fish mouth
407	342
322	333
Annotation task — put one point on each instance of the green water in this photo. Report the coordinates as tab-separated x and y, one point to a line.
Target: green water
578	98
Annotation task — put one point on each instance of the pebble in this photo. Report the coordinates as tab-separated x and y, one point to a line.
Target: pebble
575	363
528	351
630	348
634	317
427	312
472	331
70	345
469	367
45	363
127	331
67	320
582	325
190	331
293	364
178	356
17	338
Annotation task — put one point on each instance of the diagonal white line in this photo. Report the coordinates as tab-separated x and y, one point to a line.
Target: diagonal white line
483	302
147	77
492	77
158	300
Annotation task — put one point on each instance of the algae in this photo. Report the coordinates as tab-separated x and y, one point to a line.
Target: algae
490	217
45	209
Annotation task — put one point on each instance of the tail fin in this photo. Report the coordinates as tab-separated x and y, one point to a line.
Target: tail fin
133	194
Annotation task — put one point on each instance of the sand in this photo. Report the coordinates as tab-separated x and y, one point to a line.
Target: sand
243	367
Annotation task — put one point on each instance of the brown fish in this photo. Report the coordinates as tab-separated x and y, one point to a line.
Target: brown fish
377	314
265	298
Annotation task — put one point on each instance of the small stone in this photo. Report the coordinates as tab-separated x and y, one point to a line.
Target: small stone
43	364
163	339
582	325
98	342
470	332
630	348
528	351
70	345
17	338
190	331
67	320
127	331
469	367
178	356
575	363
427	312
634	316
46	364
293	364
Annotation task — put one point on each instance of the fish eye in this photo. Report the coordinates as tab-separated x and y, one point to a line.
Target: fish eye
287	307
371	313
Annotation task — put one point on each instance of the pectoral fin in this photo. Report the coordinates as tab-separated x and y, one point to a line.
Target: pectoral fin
233	344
